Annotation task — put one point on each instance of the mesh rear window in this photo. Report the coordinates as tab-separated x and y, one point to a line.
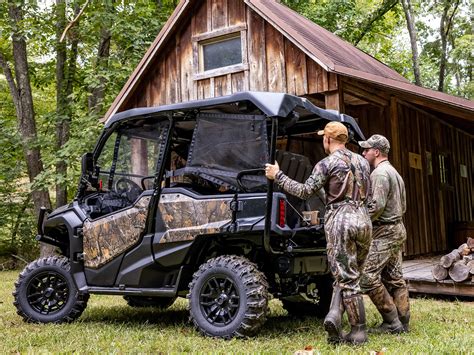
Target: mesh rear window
224	145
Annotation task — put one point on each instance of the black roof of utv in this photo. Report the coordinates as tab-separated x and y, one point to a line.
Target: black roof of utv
270	104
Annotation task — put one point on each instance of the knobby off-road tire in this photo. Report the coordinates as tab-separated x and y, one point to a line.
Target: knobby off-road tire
45	292
228	297
146	301
308	309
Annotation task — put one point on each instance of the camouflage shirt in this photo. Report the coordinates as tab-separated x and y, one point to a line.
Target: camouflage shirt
344	175
388	194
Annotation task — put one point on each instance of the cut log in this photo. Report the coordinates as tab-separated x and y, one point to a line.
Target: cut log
470	265
459	272
449	259
470	242
439	272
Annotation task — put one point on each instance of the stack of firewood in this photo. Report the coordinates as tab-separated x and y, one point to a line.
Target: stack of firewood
458	265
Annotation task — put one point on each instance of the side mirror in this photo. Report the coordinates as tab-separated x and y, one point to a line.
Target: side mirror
87	163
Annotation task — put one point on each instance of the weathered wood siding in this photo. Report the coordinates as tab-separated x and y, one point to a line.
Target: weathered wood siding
274	63
433	207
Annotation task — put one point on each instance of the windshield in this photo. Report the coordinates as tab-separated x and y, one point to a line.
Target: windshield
131	152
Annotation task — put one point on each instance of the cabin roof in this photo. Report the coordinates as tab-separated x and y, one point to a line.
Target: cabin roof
328	50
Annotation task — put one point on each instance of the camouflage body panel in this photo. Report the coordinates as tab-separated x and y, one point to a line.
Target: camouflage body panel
185	218
348	234
335	175
384	261
109	236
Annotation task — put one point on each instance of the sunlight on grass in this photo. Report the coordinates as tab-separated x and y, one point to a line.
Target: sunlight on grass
109	325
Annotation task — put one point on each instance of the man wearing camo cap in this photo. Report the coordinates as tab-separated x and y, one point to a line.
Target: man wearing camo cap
345	177
382	276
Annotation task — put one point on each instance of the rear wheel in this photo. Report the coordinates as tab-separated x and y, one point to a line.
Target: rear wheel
45	292
146	301
228	297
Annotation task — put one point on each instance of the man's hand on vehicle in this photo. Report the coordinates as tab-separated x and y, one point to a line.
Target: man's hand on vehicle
271	170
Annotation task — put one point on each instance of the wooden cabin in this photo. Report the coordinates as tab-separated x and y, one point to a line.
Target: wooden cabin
210	48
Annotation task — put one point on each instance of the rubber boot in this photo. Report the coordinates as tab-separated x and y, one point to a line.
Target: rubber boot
332	322
385	305
402	302
354	306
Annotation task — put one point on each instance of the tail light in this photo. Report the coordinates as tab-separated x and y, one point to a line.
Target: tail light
281	213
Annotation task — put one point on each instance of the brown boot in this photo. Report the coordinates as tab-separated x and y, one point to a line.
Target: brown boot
402	302
384	303
354	306
332	322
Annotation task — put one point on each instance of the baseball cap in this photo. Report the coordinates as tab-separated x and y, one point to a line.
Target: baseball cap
335	130
376	141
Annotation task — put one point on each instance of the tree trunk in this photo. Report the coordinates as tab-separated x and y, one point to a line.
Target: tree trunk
410	18
97	93
62	119
444	28
20	89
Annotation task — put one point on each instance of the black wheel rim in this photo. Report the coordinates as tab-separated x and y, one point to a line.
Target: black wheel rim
219	300
47	292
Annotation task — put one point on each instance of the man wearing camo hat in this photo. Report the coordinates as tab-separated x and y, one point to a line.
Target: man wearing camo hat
345	177
382	276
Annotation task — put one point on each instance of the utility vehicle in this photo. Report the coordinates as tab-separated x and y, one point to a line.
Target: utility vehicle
173	202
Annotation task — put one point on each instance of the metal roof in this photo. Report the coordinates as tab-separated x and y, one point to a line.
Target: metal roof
328	50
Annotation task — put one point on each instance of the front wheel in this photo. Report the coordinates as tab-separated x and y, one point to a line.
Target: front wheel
228	297
45	292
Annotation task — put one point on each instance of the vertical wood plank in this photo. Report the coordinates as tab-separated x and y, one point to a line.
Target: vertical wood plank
256	52
238	82
275	55
186	59
171	77
200	19
203	89
220	86
394	128
235	12
219	14
313	74
296	80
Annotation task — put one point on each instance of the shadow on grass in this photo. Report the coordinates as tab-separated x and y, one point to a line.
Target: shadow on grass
276	324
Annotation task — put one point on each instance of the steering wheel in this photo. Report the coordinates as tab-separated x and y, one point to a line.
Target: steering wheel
127	188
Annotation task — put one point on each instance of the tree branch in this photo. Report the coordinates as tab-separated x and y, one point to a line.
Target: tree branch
11	81
73	22
386	6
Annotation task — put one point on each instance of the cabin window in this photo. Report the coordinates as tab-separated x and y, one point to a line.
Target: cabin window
221	52
444	172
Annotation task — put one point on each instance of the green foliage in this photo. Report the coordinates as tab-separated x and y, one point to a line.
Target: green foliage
133	26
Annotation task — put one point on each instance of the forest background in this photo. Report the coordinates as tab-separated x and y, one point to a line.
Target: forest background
62	62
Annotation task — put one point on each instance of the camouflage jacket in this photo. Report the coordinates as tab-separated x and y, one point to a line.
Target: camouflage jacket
344	175
388	202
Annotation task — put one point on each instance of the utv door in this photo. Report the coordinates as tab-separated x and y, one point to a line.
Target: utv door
128	162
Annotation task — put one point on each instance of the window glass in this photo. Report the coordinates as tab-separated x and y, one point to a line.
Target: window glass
222	53
131	152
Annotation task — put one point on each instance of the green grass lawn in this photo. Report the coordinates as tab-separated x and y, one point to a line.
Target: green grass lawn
109	325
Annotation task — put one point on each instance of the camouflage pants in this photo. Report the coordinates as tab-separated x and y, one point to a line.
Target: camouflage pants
384	262
348	233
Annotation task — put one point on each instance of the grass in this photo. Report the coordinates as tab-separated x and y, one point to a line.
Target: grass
109	325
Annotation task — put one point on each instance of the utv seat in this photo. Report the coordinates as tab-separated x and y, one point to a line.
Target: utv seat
299	168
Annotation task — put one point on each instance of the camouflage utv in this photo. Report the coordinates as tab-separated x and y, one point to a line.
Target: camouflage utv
173	202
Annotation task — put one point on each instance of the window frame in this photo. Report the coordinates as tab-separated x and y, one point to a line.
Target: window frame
199	41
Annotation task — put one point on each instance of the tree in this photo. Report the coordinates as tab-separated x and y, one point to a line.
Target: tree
410	19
